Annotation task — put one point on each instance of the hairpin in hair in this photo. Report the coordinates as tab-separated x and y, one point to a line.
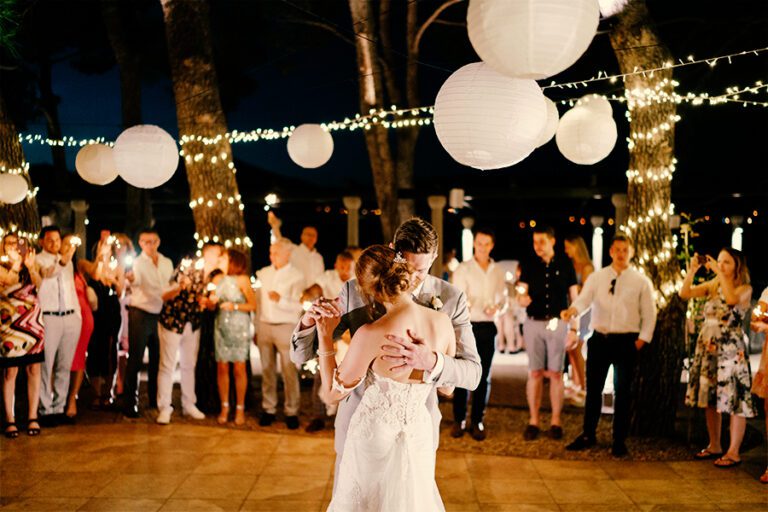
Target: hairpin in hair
399	258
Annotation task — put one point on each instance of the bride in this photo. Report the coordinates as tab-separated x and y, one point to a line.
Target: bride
388	462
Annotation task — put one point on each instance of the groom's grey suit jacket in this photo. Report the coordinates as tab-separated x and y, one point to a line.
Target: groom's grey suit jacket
462	371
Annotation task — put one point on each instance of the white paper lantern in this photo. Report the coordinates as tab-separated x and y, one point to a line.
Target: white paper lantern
310	146
487	120
553	117
585	137
95	164
145	156
13	188
598	104
531	38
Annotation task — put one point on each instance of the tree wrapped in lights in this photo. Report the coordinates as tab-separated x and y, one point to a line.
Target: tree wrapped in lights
207	155
651	164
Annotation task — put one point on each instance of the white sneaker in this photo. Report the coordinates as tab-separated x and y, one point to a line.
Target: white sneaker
194	413
164	416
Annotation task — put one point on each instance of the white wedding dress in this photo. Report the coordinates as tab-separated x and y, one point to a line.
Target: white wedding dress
388	463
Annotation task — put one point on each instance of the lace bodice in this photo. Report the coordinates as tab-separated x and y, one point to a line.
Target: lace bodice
395	403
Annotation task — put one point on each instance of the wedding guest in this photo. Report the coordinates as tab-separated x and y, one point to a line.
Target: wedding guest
206	386
281	288
548	281
22	329
61	313
304	257
107	278
484	284
720	376
232	333
179	333
576	250
355	251
126	256
149	277
760	383
623	318
509	324
87	300
329	283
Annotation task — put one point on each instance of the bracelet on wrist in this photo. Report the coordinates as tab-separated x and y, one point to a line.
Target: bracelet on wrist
326	353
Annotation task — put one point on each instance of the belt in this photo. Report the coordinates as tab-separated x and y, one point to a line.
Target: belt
59	313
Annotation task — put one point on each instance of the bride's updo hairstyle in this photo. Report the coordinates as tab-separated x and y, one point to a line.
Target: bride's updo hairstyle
382	274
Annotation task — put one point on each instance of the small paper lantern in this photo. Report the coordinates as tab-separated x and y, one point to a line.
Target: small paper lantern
145	156
95	164
13	188
531	38
487	120
553	117
584	137
310	146
598	104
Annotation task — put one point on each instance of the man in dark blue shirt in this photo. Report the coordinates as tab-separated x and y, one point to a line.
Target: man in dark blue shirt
550	282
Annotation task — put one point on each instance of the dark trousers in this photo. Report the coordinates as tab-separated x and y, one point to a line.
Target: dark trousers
142	334
485	335
603	351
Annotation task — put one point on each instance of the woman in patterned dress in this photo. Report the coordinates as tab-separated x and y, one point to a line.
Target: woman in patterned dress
720	379
21	329
232	332
760	383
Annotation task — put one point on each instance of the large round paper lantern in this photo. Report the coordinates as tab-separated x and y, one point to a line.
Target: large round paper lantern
145	156
551	125
310	146
95	164
585	137
598	104
487	120
531	38
13	188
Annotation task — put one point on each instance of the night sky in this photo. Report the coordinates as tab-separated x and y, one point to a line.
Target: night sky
276	72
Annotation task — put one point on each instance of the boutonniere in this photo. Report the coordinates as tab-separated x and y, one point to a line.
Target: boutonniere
435	303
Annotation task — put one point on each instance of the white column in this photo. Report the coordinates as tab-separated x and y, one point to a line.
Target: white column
737	236
467	238
437	204
597	241
352	204
620	203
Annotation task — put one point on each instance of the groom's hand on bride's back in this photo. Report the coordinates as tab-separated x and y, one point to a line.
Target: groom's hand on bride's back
411	352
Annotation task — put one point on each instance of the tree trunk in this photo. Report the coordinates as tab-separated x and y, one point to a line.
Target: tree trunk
199	113
372	97
138	202
22	216
651	159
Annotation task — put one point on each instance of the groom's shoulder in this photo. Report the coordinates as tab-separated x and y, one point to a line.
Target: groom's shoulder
444	289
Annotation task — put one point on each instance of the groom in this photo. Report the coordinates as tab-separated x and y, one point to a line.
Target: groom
416	240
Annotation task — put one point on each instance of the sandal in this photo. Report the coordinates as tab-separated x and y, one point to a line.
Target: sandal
239	415
224	414
764	477
33	431
11	434
705	454
726	463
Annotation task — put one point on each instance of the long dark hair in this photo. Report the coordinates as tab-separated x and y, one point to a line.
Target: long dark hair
741	272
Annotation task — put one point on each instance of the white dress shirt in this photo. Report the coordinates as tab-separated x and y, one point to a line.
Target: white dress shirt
308	262
57	292
288	282
764	296
483	288
150	282
630	308
330	282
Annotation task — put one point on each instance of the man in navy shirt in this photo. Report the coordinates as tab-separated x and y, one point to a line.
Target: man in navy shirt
549	281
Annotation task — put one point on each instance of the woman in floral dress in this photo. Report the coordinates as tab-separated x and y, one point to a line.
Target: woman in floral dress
760	384
720	378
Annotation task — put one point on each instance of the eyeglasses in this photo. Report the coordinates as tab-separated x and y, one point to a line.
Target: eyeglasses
613	286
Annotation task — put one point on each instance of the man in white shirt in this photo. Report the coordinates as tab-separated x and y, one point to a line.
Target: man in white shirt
305	257
281	288
623	318
61	313
149	279
484	284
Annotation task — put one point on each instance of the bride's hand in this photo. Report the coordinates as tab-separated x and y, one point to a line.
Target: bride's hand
326	315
